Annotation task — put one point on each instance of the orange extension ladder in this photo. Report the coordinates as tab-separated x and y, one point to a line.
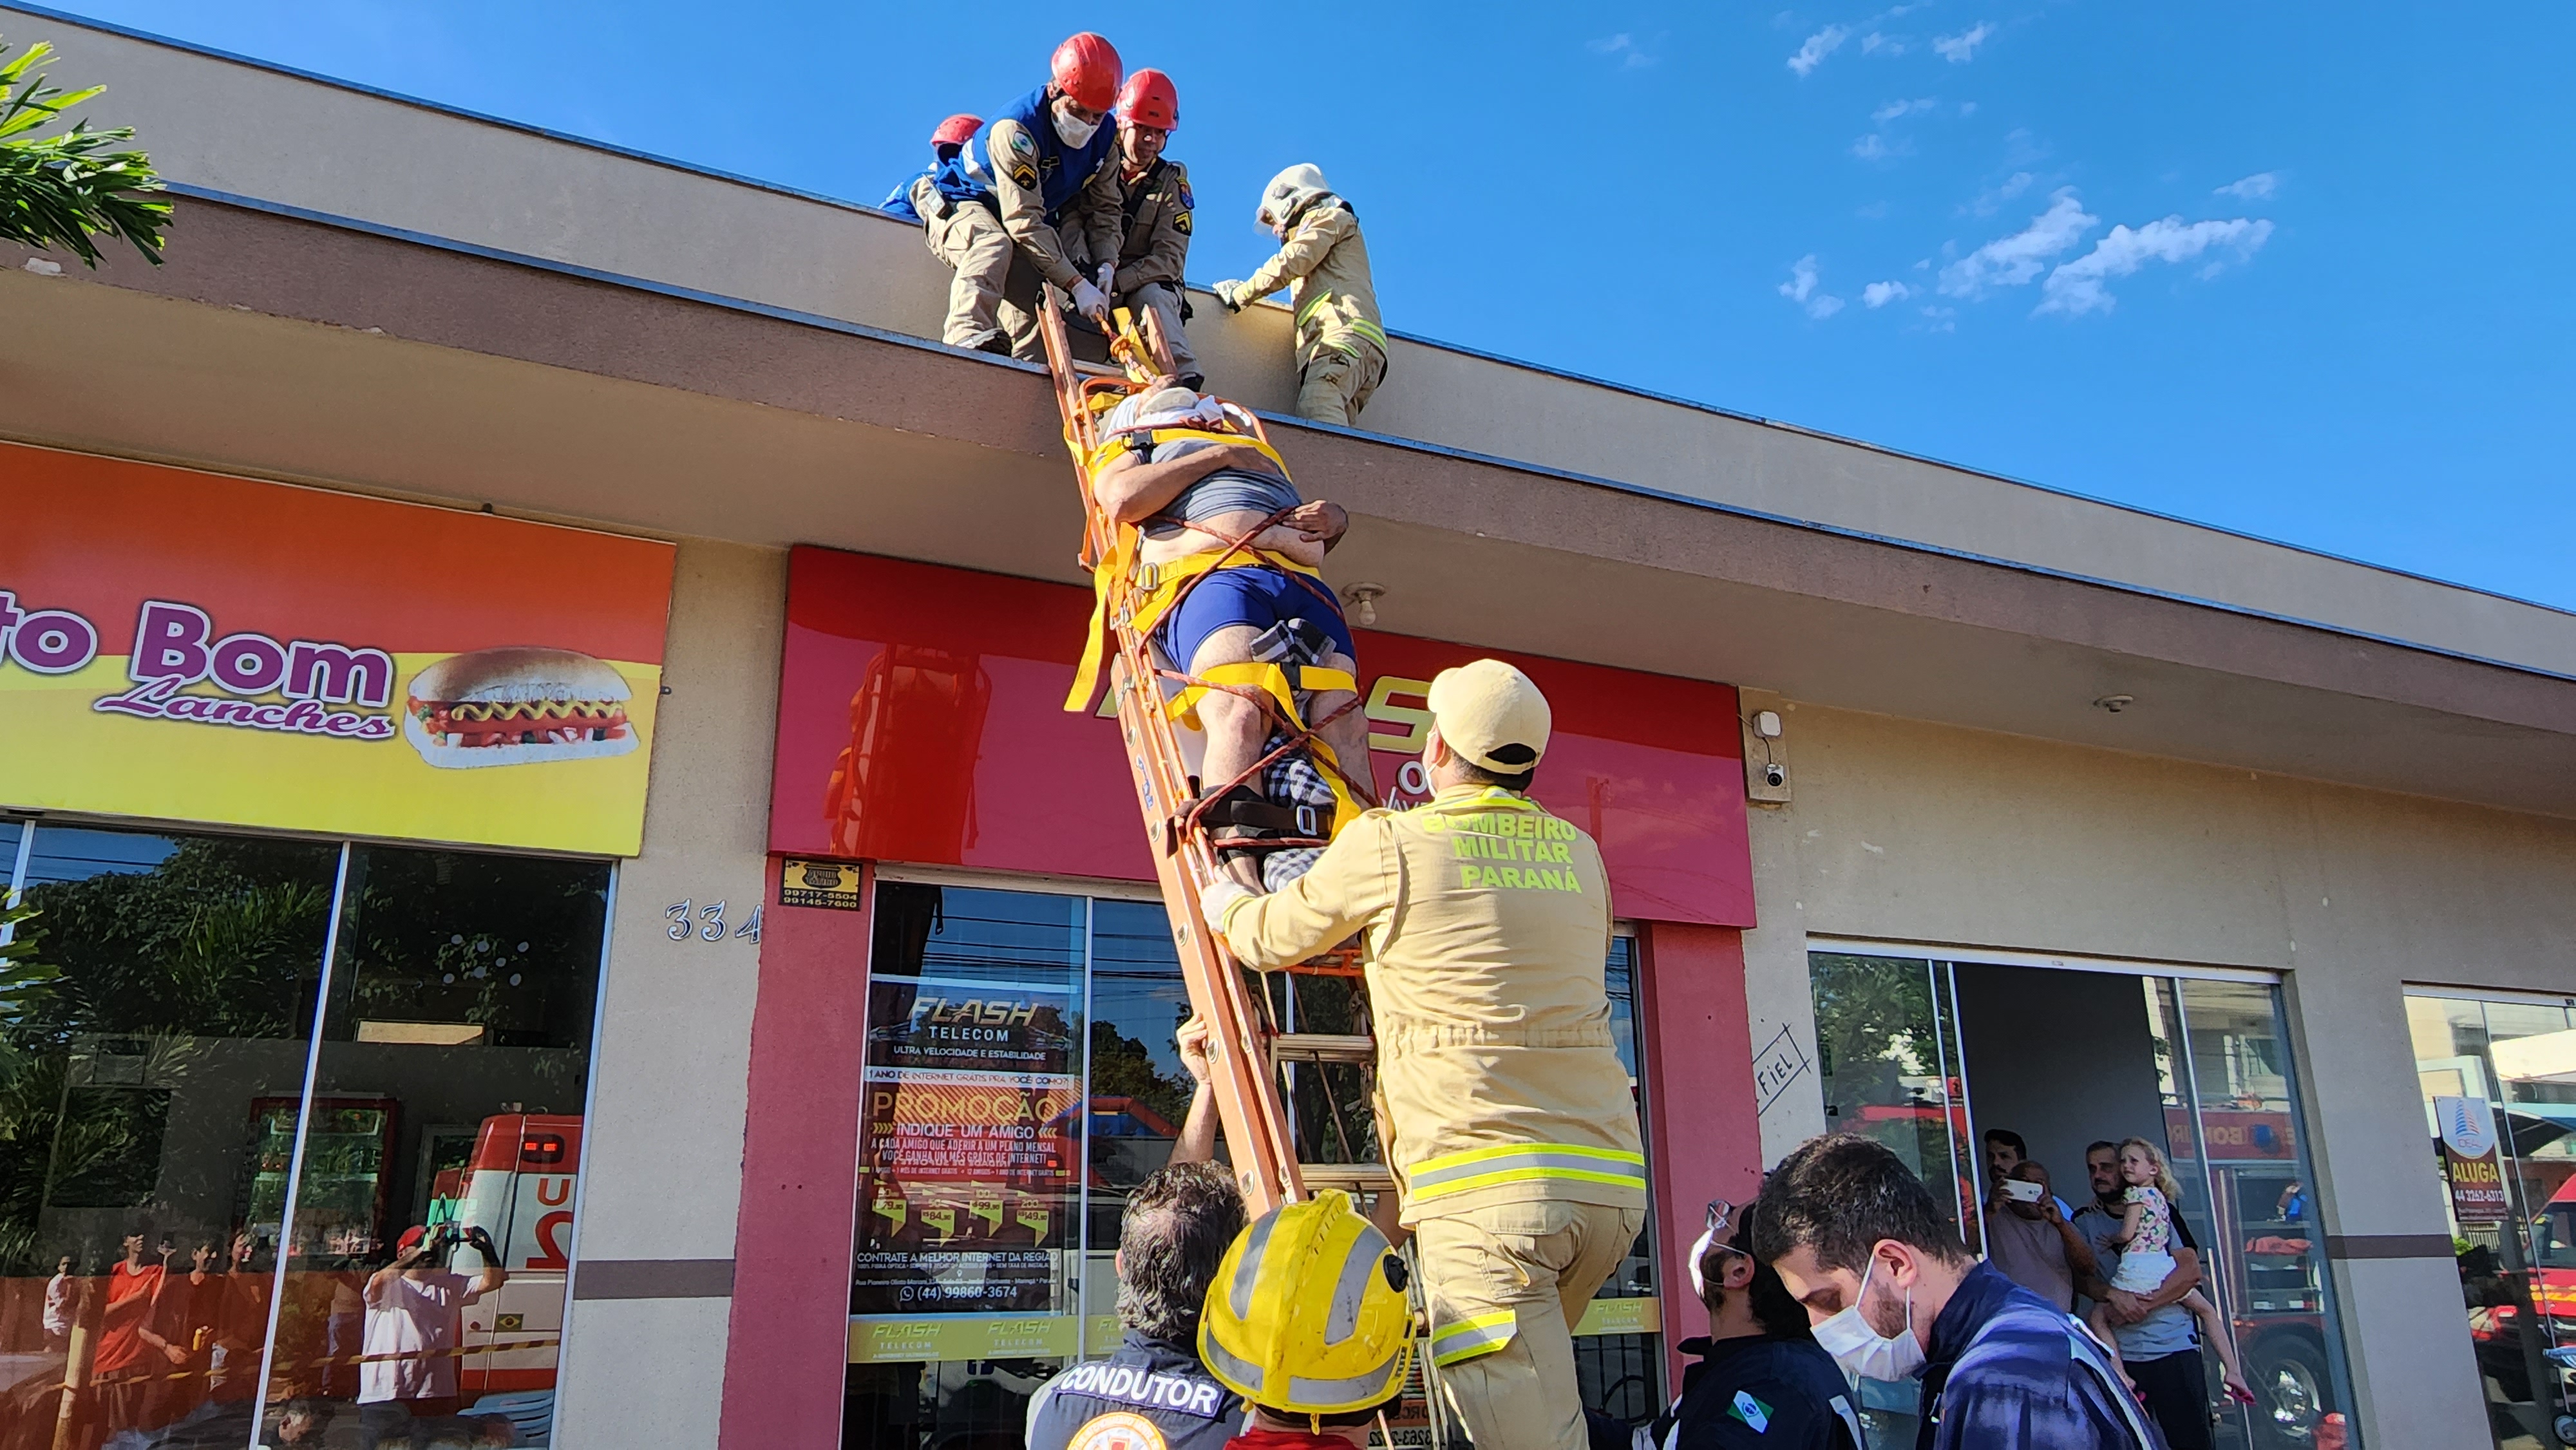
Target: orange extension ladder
1256	1046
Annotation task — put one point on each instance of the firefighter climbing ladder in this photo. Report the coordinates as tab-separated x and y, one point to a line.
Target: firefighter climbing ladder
1252	1019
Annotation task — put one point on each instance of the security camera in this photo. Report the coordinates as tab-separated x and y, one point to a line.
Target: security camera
1775	775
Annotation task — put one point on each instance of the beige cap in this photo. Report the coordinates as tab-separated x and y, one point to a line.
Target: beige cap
1492	715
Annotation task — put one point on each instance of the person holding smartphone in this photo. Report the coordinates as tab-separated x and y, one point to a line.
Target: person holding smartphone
416	1323
2029	1238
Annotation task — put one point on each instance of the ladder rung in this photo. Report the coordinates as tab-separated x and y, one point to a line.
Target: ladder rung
1348	1177
1323	1047
1339	962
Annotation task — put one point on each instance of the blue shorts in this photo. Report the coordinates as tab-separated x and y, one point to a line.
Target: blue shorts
1253	596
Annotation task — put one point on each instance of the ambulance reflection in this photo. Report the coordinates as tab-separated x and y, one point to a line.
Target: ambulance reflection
447	1337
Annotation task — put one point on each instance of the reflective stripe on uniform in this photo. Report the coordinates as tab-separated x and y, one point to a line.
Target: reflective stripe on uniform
1524	1162
1471	1337
1375	1385
1333	327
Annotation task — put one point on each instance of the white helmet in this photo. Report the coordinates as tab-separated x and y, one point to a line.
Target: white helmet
1288	191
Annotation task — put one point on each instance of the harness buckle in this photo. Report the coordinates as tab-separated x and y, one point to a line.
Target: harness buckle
1149	577
1307	822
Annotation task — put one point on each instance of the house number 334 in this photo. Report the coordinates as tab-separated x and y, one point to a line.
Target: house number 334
707	923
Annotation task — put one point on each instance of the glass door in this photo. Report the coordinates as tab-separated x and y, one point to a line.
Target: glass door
2498	1079
1963	1065
1888	1053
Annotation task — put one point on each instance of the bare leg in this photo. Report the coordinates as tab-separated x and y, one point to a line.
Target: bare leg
2221	1337
1236	728
2097	1320
1349	735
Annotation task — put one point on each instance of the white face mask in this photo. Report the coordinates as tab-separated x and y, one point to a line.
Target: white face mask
1072	132
1861	1349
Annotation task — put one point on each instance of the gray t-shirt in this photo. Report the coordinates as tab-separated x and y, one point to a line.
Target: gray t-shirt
2163	1332
2031	1254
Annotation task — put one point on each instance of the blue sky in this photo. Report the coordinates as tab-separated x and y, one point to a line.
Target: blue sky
2295	269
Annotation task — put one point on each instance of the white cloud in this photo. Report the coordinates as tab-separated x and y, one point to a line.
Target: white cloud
1624	46
1989	202
1819	45
1941	319
1898	110
1871	147
1967	108
2257	187
1957	48
1801	289
2018	259
1879	294
1873	43
2075	288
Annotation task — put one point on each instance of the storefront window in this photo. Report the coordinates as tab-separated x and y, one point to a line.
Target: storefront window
1013	1035
159	1057
1930	1056
447	1102
1618	1349
2498	1078
163	984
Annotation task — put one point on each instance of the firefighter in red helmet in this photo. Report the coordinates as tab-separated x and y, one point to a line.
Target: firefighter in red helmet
1039	215
1151	217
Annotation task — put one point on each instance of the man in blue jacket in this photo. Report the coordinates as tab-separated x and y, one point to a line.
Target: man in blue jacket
1020	226
1893	1294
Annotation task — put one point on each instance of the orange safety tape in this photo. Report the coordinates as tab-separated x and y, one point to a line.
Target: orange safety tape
325	1362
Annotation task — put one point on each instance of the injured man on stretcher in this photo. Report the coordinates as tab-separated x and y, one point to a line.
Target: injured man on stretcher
1188	472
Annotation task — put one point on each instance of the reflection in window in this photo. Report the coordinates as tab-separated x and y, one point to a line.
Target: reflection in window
157	989
2509	1064
427	1243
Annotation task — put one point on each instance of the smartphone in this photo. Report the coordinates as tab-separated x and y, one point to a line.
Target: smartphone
2022	1190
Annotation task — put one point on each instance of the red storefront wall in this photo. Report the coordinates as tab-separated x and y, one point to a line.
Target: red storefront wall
921	721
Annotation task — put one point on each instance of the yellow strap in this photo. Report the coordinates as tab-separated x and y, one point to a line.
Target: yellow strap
1272	680
1118	445
1157	588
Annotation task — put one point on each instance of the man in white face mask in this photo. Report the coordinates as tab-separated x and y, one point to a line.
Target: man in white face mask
1893	1293
1051	211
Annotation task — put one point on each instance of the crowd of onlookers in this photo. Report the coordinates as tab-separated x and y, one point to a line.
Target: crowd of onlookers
2081	1326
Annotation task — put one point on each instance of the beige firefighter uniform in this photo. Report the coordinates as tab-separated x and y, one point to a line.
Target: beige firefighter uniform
1486	927
1153	221
1007	288
1341	342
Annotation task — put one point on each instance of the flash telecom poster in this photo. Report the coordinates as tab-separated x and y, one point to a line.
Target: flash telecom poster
972	1131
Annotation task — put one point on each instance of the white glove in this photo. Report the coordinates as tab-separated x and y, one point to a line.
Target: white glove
1219	899
1226	294
1108	276
1089	300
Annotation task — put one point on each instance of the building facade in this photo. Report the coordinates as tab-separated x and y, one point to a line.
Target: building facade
792	1029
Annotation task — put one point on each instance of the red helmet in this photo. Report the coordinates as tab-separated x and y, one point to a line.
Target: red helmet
956	130
1150	100
1088	70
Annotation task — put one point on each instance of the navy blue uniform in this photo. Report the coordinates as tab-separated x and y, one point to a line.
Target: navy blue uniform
2010	1371
1759	1393
955	184
1150	1395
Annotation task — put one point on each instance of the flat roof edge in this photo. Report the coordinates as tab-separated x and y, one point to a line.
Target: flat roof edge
1415	445
1481	354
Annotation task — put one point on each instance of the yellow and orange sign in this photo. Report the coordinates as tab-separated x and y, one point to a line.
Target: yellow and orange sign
191	647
